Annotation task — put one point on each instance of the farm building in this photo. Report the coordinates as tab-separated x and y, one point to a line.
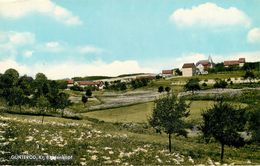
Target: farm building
188	69
240	62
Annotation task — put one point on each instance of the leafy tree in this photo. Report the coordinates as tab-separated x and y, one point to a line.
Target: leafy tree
42	104
88	93
84	99
158	77
224	122
122	86
192	85
63	102
254	123
168	115
13	75
160	89
25	83
167	89
62	84
220	83
249	75
178	72
15	96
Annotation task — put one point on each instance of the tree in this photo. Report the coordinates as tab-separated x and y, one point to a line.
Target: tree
25	83
42	104
88	93
84	99
249	75
178	72
192	85
160	89
167	89
63	102
168	115
13	74
15	96
220	83
224	122
254	123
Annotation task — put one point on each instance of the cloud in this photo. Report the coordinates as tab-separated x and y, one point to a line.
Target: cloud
89	49
253	35
9	63
16	38
52	46
14	9
72	69
27	53
209	15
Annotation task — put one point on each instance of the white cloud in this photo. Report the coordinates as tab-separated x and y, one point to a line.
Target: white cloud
52	46
89	50
253	35
9	63
15	9
72	69
16	38
209	15
27	53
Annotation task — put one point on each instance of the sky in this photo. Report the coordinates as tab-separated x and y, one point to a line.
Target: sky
68	38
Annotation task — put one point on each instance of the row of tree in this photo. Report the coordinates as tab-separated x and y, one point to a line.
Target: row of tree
222	122
40	92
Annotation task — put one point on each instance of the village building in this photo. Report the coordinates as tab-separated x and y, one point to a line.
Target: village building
240	62
188	69
203	66
83	84
167	73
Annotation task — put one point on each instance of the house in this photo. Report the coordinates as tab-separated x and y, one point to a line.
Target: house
167	73
70	83
188	69
83	84
204	65
240	62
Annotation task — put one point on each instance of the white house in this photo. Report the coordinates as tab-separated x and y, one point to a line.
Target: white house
188	69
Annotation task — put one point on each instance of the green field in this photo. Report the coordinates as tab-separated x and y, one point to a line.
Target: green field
140	112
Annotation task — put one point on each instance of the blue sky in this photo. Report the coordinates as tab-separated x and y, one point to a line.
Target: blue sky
66	38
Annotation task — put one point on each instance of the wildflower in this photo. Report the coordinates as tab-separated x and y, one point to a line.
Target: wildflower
106	158
29	138
190	160
110	152
107	148
94	157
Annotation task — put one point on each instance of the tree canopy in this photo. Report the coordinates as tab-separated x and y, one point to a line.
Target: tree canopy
168	115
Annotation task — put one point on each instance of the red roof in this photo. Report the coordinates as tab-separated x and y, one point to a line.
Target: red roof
167	71
90	83
188	65
234	62
70	81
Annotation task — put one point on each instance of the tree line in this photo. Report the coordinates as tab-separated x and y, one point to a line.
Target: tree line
40	93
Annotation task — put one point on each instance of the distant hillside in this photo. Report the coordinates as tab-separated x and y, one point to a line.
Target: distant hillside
127	75
91	78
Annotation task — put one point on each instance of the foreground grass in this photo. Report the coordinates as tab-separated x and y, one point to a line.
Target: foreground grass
105	144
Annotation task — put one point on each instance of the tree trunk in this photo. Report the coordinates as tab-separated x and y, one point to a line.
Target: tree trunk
42	118
20	107
222	152
62	111
170	143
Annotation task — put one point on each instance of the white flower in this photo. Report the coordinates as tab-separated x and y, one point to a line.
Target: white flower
190	159
83	163
111	152
107	148
94	157
159	160
29	138
106	158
